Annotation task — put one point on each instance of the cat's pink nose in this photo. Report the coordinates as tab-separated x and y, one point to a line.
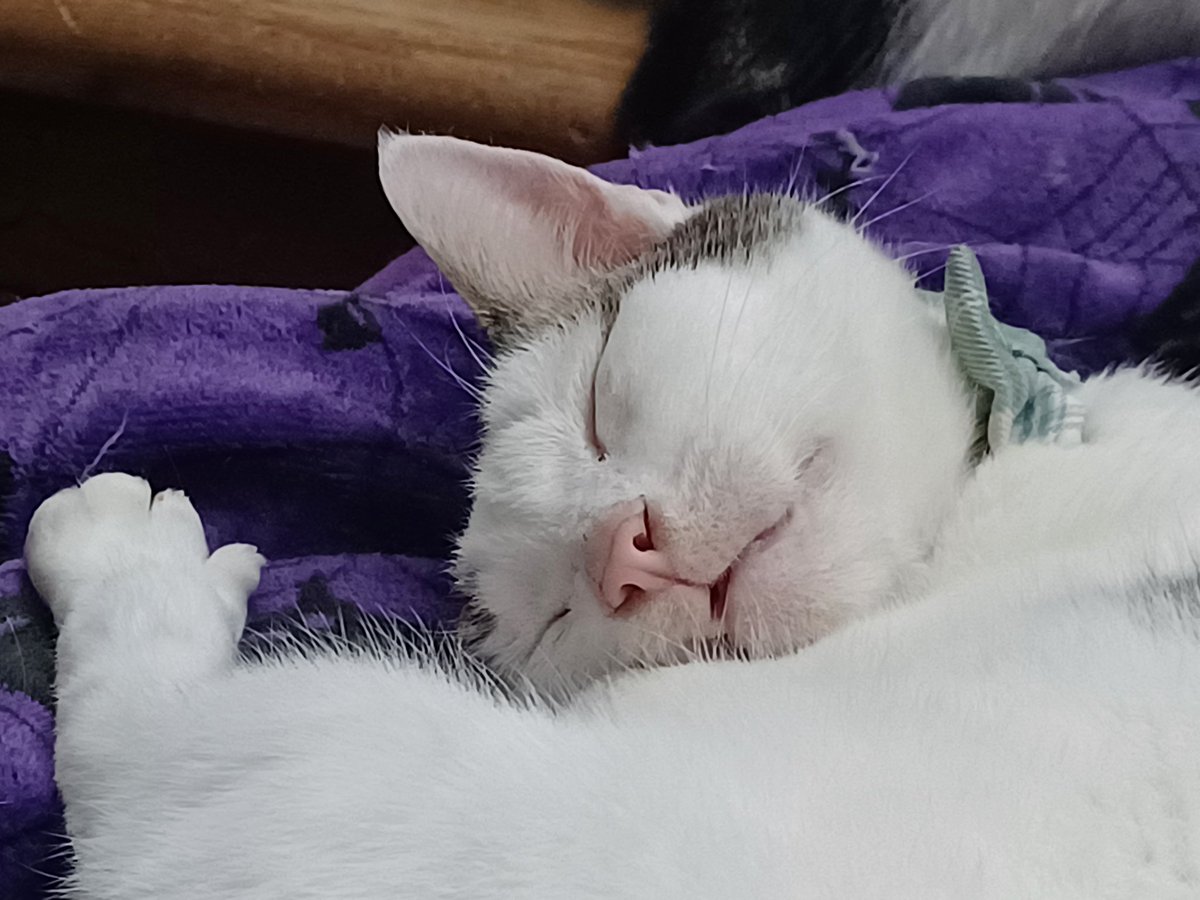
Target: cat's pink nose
622	559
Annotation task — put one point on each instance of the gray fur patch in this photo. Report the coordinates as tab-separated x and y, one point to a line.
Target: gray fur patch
1166	602
726	230
729	231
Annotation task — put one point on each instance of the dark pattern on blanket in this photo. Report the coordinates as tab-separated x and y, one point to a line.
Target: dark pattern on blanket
334	429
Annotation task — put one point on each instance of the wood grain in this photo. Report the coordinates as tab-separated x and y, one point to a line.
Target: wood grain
543	74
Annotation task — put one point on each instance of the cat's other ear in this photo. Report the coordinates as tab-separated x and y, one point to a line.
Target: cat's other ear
517	233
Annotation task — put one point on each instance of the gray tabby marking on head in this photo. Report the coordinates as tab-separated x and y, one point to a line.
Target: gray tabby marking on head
505	328
726	230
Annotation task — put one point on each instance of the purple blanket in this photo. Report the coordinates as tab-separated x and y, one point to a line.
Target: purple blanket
333	429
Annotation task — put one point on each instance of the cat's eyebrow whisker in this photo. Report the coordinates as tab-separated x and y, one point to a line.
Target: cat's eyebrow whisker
848	187
470	345
471	390
923	275
799	163
712	363
883	187
800	414
733	337
891	212
771	341
942	249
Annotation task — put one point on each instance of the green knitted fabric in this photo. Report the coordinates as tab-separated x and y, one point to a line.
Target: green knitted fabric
1023	396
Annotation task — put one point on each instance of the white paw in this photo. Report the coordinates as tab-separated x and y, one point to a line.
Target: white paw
111	527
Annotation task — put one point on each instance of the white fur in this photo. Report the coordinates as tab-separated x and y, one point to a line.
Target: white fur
717	384
1037	38
1004	700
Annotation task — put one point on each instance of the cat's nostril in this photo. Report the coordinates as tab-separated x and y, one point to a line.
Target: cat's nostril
632	597
645	540
623	560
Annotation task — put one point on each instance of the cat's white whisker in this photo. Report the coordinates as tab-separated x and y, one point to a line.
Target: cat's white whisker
883	187
930	272
944	248
711	368
476	352
899	209
837	192
471	390
794	174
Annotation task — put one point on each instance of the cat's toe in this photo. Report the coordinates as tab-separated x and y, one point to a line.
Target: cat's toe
73	511
44	546
238	565
176	525
112	527
77	536
114	495
234	571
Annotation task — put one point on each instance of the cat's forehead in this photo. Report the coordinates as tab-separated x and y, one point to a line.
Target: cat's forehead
726	231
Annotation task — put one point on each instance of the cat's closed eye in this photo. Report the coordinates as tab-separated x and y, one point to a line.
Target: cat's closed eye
593	436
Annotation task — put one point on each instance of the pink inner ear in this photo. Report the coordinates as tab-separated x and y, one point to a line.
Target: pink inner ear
606	225
606	237
511	224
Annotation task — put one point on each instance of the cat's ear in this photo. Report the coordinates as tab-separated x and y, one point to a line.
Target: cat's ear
518	234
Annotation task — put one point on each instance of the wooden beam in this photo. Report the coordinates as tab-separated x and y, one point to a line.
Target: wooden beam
542	74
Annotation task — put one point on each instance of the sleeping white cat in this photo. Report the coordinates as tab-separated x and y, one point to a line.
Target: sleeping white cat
731	425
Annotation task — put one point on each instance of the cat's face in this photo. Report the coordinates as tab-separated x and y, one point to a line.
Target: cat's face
731	425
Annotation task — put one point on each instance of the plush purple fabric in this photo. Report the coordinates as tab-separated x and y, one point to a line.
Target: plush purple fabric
328	428
333	428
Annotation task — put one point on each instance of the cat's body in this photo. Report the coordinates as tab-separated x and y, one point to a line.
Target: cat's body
713	66
1014	712
1028	730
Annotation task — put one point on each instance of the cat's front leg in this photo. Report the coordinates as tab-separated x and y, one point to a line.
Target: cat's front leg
145	615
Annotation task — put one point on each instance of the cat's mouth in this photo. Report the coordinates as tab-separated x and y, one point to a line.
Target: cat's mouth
635	596
718	591
717	595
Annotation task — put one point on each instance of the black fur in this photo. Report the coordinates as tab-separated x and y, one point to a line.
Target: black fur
1170	335
712	66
